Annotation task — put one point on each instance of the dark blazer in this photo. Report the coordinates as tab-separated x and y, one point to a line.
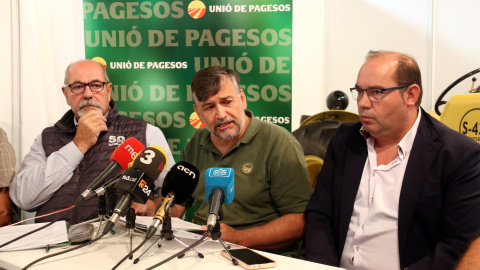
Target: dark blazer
439	207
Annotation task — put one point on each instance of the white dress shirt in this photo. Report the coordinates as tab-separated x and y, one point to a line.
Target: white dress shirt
372	237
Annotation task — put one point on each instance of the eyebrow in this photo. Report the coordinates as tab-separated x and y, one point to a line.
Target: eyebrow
95	80
370	87
221	99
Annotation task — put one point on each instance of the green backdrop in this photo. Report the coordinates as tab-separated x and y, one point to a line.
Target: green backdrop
152	49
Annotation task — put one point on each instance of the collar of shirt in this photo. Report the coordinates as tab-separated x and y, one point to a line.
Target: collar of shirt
405	145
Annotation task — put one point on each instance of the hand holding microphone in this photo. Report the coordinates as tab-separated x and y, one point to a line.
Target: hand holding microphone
137	183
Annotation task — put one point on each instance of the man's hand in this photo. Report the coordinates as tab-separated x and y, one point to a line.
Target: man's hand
147	209
140	209
89	127
228	233
276	234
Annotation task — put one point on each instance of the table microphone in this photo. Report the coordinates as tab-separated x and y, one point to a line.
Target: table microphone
137	182
120	158
179	183
219	189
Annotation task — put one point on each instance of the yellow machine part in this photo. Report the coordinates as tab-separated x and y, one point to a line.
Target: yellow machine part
314	165
462	113
342	116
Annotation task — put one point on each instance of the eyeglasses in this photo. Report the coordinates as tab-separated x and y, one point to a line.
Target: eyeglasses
374	94
78	88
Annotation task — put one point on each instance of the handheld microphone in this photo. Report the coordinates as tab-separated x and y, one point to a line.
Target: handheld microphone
219	189
119	161
137	183
179	183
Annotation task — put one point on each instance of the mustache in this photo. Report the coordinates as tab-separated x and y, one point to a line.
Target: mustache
225	120
88	102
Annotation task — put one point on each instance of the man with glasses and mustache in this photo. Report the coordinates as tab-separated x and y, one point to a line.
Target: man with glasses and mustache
272	186
398	189
67	157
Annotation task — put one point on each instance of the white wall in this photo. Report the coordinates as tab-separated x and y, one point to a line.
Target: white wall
9	73
355	27
51	37
330	40
457	45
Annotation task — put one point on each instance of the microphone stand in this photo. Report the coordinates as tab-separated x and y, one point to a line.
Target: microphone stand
104	210
215	234
167	233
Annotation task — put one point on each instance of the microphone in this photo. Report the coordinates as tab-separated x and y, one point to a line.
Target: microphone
137	182
179	183
219	189
120	158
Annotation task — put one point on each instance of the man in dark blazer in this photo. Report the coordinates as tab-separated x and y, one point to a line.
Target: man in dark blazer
398	189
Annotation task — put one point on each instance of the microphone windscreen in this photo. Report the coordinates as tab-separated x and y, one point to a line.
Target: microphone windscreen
222	178
152	160
125	153
181	179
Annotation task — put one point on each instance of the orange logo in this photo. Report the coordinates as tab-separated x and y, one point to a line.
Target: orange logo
142	183
195	121
196	9
101	61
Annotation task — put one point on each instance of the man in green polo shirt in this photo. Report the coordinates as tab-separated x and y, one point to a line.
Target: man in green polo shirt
272	187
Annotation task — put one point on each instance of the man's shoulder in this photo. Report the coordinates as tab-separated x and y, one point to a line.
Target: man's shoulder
349	128
270	128
444	132
197	137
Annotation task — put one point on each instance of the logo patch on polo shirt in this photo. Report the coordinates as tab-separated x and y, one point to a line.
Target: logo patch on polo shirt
247	168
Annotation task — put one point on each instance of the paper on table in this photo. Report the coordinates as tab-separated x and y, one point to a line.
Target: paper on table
53	234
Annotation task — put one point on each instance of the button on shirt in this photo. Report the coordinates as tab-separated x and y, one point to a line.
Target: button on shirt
372	237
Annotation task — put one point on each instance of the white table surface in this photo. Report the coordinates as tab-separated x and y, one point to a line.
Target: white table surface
108	251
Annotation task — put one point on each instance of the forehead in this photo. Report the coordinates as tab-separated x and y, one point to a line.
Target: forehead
377	71
227	90
85	71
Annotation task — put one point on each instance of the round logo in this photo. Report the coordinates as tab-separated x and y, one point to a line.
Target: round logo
470	124
101	61
195	121
196	9
247	168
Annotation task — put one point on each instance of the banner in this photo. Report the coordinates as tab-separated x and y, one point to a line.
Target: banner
152	49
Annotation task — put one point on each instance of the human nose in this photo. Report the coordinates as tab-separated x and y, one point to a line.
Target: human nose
87	92
364	100
221	112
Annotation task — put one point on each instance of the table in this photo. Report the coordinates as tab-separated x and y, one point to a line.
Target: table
108	251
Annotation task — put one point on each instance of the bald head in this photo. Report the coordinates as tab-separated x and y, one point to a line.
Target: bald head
406	70
88	62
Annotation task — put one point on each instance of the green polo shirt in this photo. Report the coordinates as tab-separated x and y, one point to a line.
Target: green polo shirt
271	177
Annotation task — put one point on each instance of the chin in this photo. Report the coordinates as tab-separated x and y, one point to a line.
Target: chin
85	110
